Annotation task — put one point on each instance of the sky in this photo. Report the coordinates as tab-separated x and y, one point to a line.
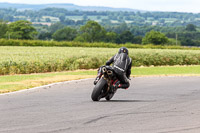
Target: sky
149	5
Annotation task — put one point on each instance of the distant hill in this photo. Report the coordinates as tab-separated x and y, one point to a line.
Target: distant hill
62	5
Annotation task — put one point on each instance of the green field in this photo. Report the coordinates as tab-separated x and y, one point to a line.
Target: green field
25	60
61	60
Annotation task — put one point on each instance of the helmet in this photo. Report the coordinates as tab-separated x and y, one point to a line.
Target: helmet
123	50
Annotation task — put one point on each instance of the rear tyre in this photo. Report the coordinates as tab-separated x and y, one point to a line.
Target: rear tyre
109	96
98	90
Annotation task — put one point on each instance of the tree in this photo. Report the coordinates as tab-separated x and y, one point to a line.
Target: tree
92	32
85	17
69	22
137	40
191	27
66	34
21	29
154	37
45	35
54	27
111	37
125	37
121	28
62	18
3	28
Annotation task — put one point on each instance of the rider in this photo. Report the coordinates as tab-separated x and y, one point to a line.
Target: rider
122	66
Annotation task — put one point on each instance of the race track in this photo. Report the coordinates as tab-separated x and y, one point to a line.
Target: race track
150	105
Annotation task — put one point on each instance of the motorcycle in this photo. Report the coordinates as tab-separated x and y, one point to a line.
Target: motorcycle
104	84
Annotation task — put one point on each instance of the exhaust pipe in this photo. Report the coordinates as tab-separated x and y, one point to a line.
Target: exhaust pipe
104	70
109	72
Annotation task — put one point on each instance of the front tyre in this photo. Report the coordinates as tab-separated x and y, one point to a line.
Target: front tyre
98	89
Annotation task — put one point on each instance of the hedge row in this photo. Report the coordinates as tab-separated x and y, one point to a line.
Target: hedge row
26	67
5	42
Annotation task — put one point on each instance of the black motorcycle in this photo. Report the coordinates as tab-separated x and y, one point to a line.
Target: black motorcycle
104	84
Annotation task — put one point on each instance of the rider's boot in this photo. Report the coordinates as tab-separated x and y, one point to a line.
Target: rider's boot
124	86
116	86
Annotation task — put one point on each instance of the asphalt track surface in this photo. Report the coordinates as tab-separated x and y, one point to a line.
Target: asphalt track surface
150	105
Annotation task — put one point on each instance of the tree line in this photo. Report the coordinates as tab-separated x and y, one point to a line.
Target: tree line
188	35
92	31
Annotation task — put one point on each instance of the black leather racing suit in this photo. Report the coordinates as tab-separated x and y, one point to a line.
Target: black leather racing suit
122	66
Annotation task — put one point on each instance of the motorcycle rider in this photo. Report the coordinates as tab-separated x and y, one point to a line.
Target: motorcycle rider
122	66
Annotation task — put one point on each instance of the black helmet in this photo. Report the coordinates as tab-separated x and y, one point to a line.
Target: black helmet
123	50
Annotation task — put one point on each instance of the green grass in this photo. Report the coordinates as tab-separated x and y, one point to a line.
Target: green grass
18	82
166	70
22	77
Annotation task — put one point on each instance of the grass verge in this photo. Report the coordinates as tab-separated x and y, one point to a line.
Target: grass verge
12	83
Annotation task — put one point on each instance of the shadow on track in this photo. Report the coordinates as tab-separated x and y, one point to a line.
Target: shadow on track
129	101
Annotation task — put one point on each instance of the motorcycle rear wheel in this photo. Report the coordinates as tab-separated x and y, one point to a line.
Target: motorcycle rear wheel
110	96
